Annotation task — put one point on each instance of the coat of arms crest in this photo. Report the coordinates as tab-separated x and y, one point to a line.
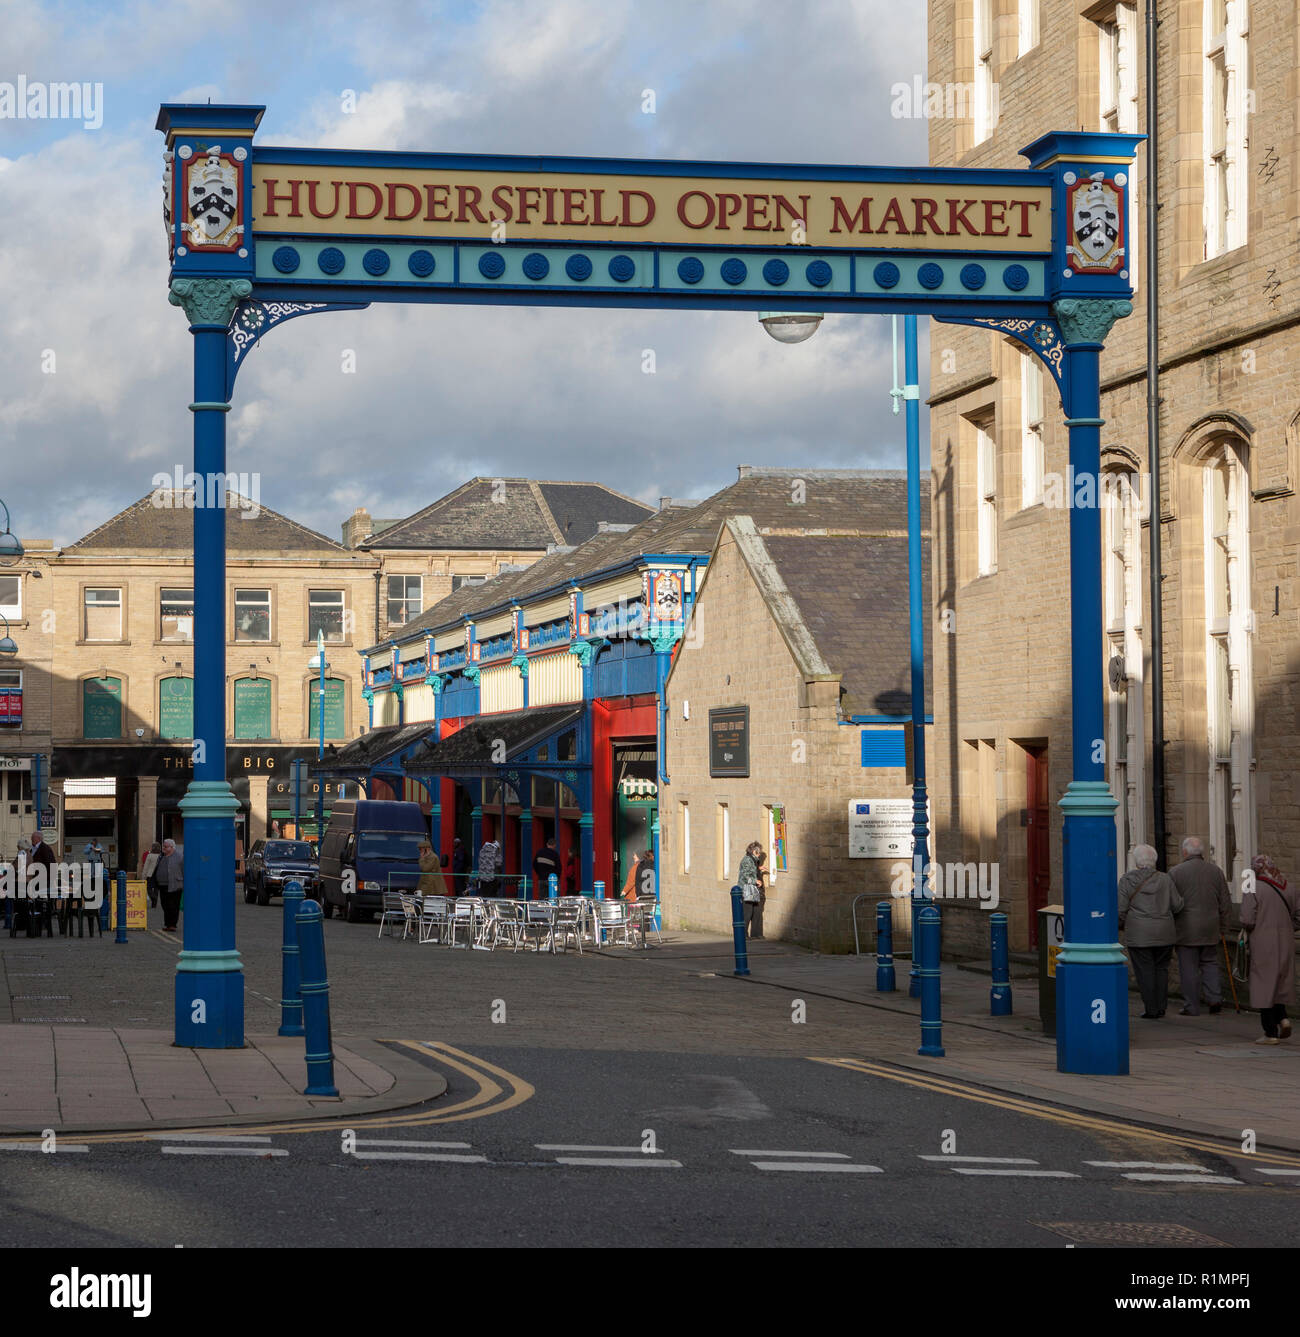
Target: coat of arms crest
1096	209
212	206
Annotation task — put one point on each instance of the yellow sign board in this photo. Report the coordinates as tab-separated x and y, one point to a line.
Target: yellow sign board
416	202
137	904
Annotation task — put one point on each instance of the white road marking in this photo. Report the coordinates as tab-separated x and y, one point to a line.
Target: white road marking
224	1151
822	1166
1027	1174
617	1161
826	1155
983	1160
563	1146
36	1146
1278	1172
418	1156
1147	1165
1184	1179
207	1137
407	1142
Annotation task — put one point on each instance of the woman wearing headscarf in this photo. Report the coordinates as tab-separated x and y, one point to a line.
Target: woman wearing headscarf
147	867
750	891
1270	914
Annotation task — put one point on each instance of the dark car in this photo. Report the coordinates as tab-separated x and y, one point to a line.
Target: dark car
271	863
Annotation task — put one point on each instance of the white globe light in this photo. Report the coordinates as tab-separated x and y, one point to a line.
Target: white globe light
790	327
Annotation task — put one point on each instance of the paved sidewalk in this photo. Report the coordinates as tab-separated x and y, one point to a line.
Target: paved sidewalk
1200	1075
93	1079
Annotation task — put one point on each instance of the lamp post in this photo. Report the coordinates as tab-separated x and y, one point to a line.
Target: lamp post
318	662
11	549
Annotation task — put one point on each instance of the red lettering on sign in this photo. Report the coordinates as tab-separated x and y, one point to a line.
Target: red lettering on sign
784	206
925	211
989	219
708	206
272	195
438	209
311	199
627	197
728	207
956	215
894	214
859	222
528	205
754	206
376	194
1024	206
549	192
468	197
573	207
411	192
500	198
596	216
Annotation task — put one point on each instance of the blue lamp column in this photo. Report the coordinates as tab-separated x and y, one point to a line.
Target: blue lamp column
209	973
662	639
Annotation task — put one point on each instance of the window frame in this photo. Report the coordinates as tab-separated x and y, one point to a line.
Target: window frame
984	121
86	590
1033	431
342	637
237	590
404	599
986	497
1225	68
14	611
162	636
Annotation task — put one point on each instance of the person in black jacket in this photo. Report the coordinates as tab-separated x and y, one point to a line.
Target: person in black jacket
545	862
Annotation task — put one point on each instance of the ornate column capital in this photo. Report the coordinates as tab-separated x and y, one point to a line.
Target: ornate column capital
209	301
521	663
472	672
662	641
437	681
1087	320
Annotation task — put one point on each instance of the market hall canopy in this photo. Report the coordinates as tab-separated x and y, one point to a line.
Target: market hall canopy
482	748
378	748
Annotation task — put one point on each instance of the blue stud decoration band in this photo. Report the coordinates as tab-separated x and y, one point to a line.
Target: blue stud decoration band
578	268
690	270
536	266
886	274
331	260
491	265
286	259
818	273
421	264
776	272
734	271
1015	277
375	262
929	275
973	277
622	268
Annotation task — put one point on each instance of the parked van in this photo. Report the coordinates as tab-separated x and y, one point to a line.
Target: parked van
372	845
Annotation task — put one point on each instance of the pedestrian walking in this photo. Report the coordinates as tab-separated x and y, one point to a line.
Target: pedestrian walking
1270	914
571	875
489	866
93	851
170	877
431	879
640	880
1207	912
750	893
459	866
148	866
760	859
1149	904
545	863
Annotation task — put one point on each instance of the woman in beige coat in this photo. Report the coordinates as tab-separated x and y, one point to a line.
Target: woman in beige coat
1270	914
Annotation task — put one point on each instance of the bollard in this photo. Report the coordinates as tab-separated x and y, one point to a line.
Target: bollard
1000	993
552	887
315	990
885	947
599	890
121	906
291	963
927	958
738	932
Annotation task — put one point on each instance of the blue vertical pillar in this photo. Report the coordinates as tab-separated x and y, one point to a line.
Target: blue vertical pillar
916	622
662	638
1091	973
209	973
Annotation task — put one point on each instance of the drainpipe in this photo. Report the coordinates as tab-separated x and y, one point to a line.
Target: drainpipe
1161	836
379	575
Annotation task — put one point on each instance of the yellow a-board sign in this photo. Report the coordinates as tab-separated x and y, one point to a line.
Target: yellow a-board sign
137	903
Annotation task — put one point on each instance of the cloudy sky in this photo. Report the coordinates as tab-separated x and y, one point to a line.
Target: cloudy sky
96	370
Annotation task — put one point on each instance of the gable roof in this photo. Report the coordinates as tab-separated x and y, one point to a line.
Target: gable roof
841	603
499	513
161	521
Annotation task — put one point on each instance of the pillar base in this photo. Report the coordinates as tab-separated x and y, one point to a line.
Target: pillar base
1092	1011
209	1001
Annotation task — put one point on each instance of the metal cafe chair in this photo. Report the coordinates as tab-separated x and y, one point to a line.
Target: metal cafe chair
615	922
465	914
539	922
570	922
643	918
395	911
505	924
434	918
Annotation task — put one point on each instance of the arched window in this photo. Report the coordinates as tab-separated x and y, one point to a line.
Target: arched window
1122	505
1229	688
253	708
176	708
335	715
101	708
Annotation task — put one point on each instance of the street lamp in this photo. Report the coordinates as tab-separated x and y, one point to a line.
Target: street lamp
790	327
8	646
11	549
319	663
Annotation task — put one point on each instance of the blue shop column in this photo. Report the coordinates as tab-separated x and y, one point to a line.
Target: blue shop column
209	973
1091	972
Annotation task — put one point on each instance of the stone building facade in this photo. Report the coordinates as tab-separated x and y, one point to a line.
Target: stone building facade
1229	428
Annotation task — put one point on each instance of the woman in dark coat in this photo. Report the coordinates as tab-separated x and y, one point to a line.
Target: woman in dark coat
1148	903
1270	914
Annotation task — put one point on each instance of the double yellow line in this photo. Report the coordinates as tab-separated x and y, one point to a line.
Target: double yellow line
497	1091
1070	1118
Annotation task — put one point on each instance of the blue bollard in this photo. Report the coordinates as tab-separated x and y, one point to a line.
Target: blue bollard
927	957
290	969
552	887
1000	993
599	890
738	932
121	906
885	982
315	990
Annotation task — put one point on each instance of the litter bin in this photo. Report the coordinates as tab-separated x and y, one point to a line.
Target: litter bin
1051	934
